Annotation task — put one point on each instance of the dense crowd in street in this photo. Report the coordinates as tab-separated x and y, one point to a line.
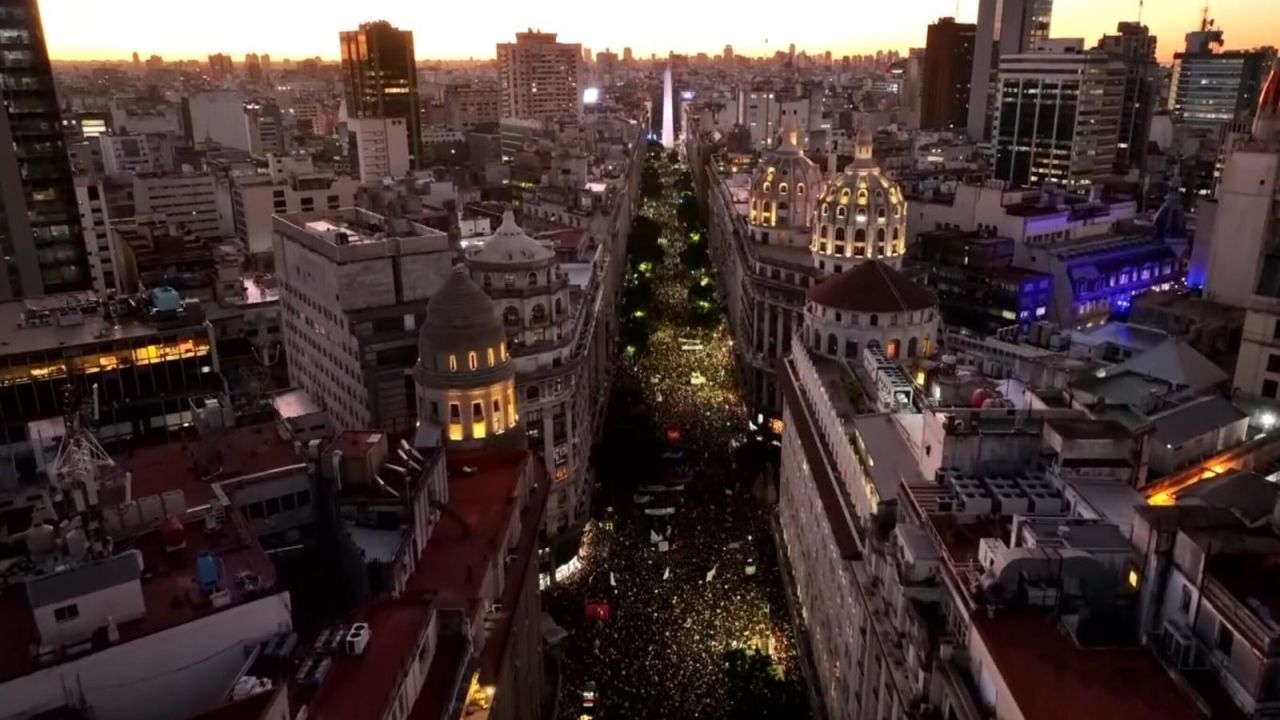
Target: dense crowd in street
680	569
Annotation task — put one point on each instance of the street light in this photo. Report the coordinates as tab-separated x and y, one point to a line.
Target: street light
1268	420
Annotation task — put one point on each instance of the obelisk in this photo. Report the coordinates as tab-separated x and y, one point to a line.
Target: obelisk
668	112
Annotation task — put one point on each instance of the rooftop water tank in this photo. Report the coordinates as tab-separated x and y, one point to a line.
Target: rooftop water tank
166	299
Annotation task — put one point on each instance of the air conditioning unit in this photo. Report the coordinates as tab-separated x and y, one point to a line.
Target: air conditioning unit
1179	648
358	638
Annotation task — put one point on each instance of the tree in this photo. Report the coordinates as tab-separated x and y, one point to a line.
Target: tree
650	181
755	692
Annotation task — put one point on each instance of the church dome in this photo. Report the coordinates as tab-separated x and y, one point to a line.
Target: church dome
785	185
861	215
462	332
511	246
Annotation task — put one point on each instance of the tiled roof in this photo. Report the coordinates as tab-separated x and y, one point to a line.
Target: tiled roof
872	286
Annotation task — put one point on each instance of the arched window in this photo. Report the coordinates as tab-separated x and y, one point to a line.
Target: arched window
873	343
822	232
782	206
911	348
559	307
859	235
891	352
768	187
844	195
539	314
897	210
782	188
453	363
895	233
799	189
842	211
490	353
861	213
880	235
511	316
879	196
533	279
862	196
825	208
502	350
880	213
473	361
839	234
875	321
497	417
833	345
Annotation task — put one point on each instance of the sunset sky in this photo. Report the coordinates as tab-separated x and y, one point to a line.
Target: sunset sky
178	29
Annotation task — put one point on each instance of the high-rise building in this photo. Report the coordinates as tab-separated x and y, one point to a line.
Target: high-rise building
378	148
1059	115
627	55
1135	46
1005	27
41	248
1211	88
382	79
728	53
948	61
355	283
221	66
253	66
540	78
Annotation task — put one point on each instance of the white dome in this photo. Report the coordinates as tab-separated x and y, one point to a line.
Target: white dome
785	185
861	213
510	245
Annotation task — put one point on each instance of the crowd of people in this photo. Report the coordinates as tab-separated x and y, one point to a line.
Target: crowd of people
680	569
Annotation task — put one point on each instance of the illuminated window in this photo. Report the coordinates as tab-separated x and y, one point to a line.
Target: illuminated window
844	195
453	363
472	360
799	189
502	347
497	417
767	187
491	363
825	208
842	211
782	188
1133	578
455	421
822	232
511	408
478	429
862	197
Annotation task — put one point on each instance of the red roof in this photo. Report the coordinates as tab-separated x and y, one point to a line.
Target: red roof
1051	678
872	286
483	503
169	588
193	465
361	686
567	239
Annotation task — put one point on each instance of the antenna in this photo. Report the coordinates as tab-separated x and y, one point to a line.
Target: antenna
1140	4
1205	22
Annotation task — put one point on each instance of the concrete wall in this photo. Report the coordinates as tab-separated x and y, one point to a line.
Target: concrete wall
172	673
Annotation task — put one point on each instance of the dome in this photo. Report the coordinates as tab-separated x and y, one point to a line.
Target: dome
872	287
785	185
861	214
511	246
460	318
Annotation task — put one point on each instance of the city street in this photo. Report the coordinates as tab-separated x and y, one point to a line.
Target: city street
677	610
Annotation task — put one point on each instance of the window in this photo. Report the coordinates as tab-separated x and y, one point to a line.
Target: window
842	211
490	352
453	363
862	197
1222	643
477	420
66	613
844	195
1269	388
455	421
1275	332
875	320
799	189
782	188
472	361
767	187
1273	363
1184	603
533	279
510	316
832	345
839	234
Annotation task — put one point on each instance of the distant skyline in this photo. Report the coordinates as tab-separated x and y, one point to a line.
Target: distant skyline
87	30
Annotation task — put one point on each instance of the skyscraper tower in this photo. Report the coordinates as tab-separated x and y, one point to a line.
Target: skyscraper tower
539	77
381	78
948	57
668	112
41	248
1005	27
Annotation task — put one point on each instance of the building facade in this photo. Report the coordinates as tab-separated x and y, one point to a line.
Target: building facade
41	248
948	67
539	77
381	78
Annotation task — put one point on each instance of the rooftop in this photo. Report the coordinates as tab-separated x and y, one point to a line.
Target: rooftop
170	590
193	465
353	234
484	497
361	686
66	328
1196	418
872	286
1032	654
1086	429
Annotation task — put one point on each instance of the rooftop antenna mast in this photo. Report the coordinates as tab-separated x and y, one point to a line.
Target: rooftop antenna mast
1140	4
1205	21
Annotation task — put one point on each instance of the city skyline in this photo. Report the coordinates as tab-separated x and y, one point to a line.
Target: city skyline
78	32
